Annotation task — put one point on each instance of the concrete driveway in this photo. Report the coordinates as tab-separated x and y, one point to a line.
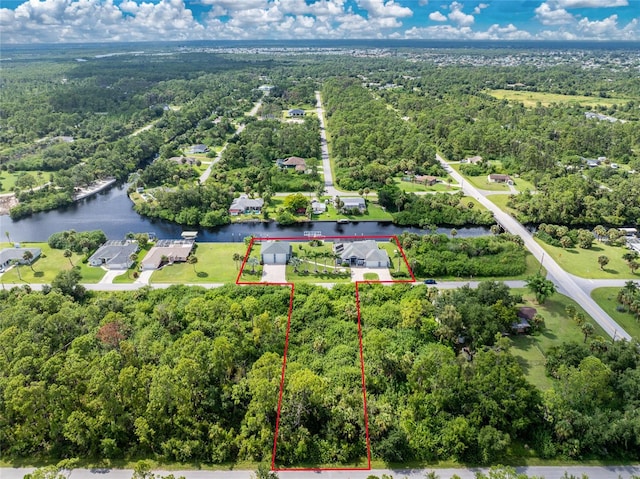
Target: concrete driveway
274	273
110	275
358	272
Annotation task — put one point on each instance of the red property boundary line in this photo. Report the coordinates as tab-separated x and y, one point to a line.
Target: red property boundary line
286	341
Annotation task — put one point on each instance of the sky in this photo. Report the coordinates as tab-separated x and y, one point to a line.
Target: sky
77	21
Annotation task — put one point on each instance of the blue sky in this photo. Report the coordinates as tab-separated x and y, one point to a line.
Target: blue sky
64	21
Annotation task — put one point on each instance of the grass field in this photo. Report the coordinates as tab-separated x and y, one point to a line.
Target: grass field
531	350
529	99
374	213
215	265
533	266
391	248
606	299
584	262
47	266
8	180
416	187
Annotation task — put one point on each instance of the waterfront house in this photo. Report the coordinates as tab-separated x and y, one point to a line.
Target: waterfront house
167	251
8	255
362	253
275	252
354	203
243	205
114	254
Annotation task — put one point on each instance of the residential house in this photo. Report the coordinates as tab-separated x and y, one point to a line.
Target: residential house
243	205
183	160
425	180
499	178
525	317
474	160
275	252
10	254
362	253
114	254
293	162
318	207
169	251
198	149
354	203
296	112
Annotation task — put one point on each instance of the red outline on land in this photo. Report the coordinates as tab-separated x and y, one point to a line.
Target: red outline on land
286	341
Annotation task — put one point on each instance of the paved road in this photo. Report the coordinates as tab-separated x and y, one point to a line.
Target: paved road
565	282
550	472
330	189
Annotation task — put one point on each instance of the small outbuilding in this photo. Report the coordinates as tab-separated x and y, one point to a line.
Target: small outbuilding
275	252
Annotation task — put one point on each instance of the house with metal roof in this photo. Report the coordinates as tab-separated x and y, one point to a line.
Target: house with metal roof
114	254
362	253
353	203
296	112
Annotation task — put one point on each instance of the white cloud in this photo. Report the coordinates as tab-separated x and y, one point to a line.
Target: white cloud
607	29
437	17
384	9
479	8
494	32
458	17
550	16
591	3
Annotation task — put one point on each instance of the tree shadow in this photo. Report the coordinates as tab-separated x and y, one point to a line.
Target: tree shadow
202	274
38	274
610	271
547	333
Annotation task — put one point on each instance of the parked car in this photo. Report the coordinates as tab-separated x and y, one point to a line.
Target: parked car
430	281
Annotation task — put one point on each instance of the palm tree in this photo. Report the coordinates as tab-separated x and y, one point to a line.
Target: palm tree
68	254
295	262
237	258
314	257
587	330
28	257
193	260
253	262
8	237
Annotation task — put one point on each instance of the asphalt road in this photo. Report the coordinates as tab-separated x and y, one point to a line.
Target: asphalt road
330	189
565	282
550	472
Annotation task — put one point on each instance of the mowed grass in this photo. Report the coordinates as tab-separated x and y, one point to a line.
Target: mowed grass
584	262
529	98
501	202
48	265
410	187
215	265
8	180
374	213
531	350
607	300
396	258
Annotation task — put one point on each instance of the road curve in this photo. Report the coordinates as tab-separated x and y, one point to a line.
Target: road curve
563	280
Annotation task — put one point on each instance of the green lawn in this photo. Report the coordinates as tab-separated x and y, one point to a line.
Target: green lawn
128	276
416	187
391	247
374	213
606	298
529	98
215	265
47	266
371	276
501	202
8	180
531	349
584	262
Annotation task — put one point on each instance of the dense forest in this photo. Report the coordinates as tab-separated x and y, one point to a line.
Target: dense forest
386	117
188	374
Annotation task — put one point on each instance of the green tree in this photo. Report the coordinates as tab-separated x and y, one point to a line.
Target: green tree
237	259
28	258
193	260
68	254
541	287
296	202
603	261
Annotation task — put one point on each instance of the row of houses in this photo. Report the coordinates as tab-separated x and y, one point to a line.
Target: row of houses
119	254
354	253
243	205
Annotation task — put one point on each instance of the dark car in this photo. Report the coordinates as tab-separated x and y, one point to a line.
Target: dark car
429	281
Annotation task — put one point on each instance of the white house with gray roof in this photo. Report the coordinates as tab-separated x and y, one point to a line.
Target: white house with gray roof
353	203
10	254
114	254
362	253
275	252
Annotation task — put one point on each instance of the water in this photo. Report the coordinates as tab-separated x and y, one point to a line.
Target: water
112	212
